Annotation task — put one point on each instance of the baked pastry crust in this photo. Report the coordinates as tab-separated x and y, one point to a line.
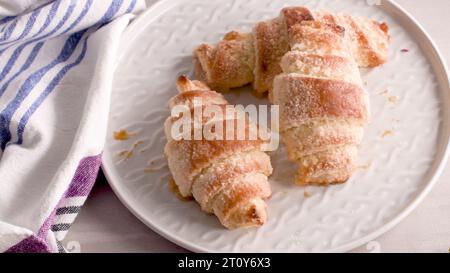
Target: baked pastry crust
323	107
243	58
228	64
226	177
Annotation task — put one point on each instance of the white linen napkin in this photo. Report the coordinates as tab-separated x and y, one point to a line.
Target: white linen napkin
56	68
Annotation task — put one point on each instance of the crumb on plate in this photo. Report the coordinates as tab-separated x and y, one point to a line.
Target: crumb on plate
387	133
126	154
393	99
122	135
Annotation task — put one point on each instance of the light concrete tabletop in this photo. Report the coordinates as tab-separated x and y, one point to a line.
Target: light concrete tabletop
105	225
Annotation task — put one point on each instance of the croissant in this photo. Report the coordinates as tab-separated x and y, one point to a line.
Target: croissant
243	58
226	177
323	107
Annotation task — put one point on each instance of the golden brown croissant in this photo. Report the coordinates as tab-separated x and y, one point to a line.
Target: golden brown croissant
226	177
323	106
242	58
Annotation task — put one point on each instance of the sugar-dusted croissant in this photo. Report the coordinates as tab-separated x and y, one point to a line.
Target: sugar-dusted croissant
323	106
226	177
242	58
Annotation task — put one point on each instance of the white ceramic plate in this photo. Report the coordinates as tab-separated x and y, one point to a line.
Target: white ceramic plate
402	154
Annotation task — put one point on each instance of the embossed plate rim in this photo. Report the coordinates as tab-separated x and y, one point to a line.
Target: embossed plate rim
441	158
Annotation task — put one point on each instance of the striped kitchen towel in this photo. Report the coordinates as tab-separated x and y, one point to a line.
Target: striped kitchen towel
56	69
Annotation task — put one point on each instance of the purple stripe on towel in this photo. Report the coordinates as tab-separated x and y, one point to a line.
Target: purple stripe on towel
85	176
81	185
31	244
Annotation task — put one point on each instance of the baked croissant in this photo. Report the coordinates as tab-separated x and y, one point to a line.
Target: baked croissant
323	107
226	177
243	58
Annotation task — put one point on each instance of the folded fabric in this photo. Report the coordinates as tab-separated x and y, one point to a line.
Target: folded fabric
56	70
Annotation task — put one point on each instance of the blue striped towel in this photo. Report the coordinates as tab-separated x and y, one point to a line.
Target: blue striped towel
56	68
